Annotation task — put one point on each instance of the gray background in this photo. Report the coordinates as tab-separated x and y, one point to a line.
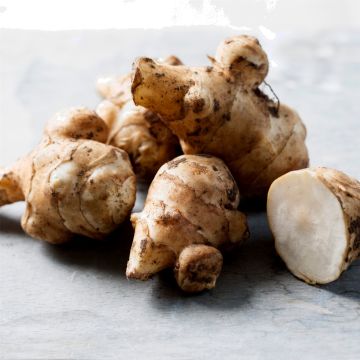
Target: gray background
75	302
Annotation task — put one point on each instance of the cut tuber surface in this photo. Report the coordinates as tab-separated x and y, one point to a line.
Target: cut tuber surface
314	215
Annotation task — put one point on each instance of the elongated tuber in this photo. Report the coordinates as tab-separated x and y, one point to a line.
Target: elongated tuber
190	212
314	215
72	182
137	130
220	110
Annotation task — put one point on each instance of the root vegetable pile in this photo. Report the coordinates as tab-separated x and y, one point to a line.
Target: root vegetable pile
190	212
72	182
314	215
220	110
80	180
135	129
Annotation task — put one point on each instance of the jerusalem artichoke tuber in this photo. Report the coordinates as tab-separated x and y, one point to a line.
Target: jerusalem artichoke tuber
71	182
190	212
137	130
314	215
220	110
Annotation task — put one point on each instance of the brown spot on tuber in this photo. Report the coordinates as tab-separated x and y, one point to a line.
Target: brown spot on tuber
198	105
273	111
199	169
231	193
228	206
168	219
151	117
195	132
226	116
241	59
159	75
261	94
354	228
143	243
174	163
216	105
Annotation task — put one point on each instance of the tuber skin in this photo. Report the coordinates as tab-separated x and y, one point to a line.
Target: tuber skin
314	215
220	110
190	212
198	268
135	129
72	182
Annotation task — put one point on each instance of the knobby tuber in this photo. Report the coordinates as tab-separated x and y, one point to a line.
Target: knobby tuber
135	129
190	212
220	110
72	182
314	215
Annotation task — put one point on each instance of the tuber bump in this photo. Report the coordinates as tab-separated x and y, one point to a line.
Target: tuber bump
72	182
137	130
190	212
220	110
314	215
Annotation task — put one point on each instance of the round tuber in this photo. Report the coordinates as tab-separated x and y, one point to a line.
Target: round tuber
72	182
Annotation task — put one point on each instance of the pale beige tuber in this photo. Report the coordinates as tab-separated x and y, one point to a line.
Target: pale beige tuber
190	212
72	182
137	130
314	215
220	110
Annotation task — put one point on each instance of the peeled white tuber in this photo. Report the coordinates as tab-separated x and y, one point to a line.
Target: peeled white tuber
314	215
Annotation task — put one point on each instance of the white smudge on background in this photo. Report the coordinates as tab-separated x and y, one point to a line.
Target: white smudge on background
271	4
267	32
111	14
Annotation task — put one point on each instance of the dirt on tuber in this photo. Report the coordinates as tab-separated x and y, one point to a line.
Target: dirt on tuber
190	214
135	129
220	110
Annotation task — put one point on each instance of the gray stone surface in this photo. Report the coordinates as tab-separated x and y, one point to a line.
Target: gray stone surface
75	302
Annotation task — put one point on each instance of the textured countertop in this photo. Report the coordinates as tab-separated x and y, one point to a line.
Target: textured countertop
75	302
